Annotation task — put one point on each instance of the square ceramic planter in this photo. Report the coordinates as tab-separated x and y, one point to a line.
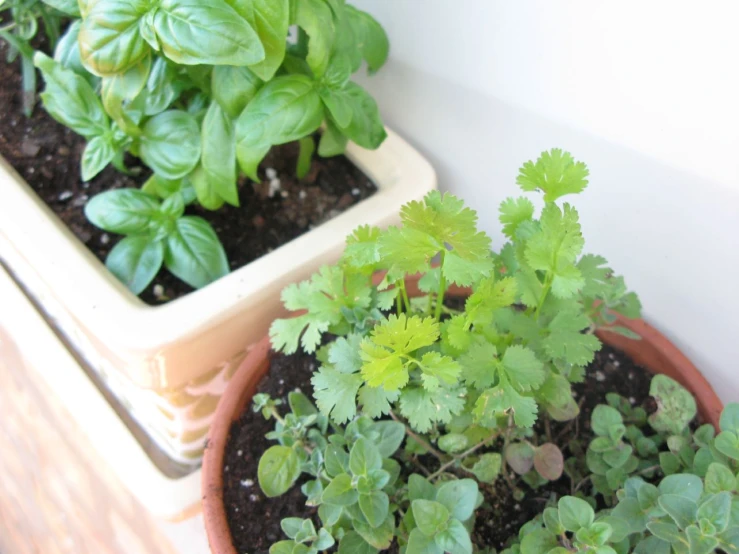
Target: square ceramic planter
169	364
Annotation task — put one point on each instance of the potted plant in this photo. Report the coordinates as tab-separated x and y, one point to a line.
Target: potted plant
450	408
187	99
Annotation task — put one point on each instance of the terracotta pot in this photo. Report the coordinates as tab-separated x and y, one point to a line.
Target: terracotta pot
654	351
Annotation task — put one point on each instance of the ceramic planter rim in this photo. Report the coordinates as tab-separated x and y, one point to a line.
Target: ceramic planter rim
654	351
147	339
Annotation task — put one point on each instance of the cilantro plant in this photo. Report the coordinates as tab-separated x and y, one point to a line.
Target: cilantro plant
200	91
21	24
693	508
458	386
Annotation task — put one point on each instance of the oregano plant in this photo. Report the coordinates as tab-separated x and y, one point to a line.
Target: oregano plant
201	91
421	400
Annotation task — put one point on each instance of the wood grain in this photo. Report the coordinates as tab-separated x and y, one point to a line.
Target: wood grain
56	495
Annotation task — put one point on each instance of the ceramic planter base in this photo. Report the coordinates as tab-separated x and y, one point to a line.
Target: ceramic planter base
169	364
43	352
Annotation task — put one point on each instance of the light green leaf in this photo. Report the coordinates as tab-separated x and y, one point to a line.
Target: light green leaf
98	153
365	128
234	87
459	497
431	517
374	506
391	435
278	469
730	417
336	393
680	508
194	253
719	478
455	539
487	468
539	541
513	212
364	457
418	543
340	492
555	173
676	407
682	484
219	154
270	19
353	543
70	99
192	32
575	513
716	509
316	19
333	142
110	39
135	261
524	370
371	37
453	443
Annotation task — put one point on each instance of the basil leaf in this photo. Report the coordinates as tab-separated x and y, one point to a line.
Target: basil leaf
98	153
67	53
333	142
234	87
205	192
195	32
194	253
122	211
339	104
135	261
109	39
270	19
316	19
371	39
69	7
285	109
170	144
161	89
365	128
249	158
124	86
219	154
70	100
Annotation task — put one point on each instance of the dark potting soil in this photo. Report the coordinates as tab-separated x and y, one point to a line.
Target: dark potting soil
255	520
47	155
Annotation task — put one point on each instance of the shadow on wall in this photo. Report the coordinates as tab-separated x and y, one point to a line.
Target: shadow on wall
673	234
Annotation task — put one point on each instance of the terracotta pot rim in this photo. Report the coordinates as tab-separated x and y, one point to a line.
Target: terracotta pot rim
655	352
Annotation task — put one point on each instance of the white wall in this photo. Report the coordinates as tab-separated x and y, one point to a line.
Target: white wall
646	93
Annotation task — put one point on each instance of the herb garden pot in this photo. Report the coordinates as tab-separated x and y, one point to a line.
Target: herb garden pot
170	364
654	351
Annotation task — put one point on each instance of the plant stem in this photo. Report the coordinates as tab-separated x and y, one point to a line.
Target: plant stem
404	294
506	441
420	440
276	415
442	286
547	287
462	456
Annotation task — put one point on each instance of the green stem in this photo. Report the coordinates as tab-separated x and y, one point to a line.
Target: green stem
276	415
462	456
420	440
404	294
544	294
442	287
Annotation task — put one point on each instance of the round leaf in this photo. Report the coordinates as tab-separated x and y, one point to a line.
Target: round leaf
549	462
430	516
278	469
453	443
459	497
454	539
487	468
575	513
364	457
375	507
520	456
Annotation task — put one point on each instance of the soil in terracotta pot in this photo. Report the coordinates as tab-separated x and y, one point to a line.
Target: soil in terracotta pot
255	520
47	155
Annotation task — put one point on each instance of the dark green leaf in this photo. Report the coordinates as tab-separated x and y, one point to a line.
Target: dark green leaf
194	253
170	144
122	211
234	87
98	153
135	261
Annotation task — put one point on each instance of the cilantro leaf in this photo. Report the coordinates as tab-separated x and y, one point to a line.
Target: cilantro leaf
343	354
480	365
363	247
456	332
406	250
567	342
555	173
524	370
502	400
323	296
335	393
595	275
513	212
375	401
437	369
465	272
489	296
529	286
423	408
385	354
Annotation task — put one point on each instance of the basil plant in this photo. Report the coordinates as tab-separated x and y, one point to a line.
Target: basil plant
200	91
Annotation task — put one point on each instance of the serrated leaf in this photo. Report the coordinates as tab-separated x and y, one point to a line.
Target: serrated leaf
524	370
567	342
502	400
336	393
437	369
480	365
362	246
555	173
514	211
422	408
376	401
676	407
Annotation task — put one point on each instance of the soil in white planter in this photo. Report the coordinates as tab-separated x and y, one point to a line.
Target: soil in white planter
47	155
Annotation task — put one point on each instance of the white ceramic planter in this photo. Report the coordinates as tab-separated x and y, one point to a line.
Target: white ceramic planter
169	364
